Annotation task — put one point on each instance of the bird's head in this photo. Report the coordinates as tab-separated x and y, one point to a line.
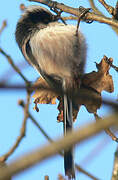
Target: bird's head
34	18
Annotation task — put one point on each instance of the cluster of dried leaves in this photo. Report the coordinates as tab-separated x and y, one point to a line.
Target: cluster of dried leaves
89	93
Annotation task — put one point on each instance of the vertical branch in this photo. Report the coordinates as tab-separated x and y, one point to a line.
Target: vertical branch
116	11
46	177
4	24
60	177
115	168
22	131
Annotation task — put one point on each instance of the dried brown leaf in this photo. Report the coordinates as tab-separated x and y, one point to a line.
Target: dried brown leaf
100	80
89	98
89	94
44	96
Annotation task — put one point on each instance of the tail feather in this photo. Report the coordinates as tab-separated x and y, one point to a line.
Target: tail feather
68	126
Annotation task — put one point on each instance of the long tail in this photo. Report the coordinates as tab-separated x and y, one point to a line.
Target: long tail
68	126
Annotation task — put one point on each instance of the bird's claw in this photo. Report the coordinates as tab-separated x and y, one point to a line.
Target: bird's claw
54	9
58	12
83	12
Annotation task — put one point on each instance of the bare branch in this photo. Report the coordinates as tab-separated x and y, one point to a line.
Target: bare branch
47	151
95	9
99	12
9	73
108	131
60	177
46	177
4	24
65	18
90	156
43	87
14	66
109	8
22	104
75	11
115	169
3	164
22	132
85	172
116	11
109	61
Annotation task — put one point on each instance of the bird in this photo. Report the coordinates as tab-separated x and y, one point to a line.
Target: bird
58	53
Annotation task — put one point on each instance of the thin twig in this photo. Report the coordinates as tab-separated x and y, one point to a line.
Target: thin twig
46	177
96	10
110	61
4	24
22	104
109	8
76	12
65	18
108	131
24	87
43	87
95	151
115	168
85	172
116	11
9	73
22	132
40	154
14	66
60	177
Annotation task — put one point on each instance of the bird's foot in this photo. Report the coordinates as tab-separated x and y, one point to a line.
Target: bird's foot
58	12
83	12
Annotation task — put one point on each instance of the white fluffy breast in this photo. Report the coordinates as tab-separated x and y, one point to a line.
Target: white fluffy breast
58	50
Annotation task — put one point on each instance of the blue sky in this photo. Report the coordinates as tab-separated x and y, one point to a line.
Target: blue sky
101	39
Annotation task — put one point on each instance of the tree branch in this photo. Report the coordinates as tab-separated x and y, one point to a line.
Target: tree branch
4	24
76	11
14	66
46	177
50	150
109	8
22	132
115	169
108	131
43	87
96	10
